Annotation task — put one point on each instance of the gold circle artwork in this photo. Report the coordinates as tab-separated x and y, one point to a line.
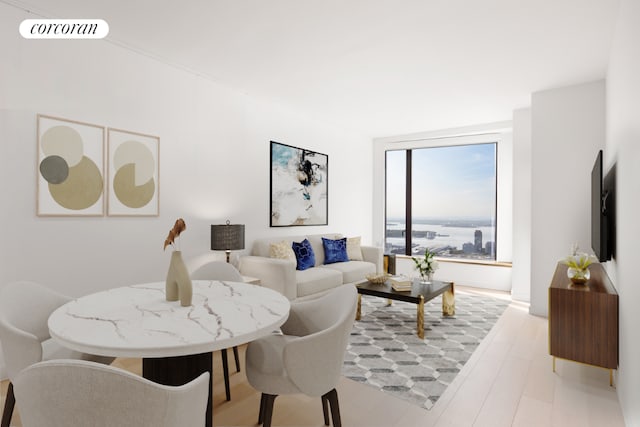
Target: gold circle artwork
74	181
133	183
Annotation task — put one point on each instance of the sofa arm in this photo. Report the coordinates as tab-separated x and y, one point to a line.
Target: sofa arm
373	254
276	274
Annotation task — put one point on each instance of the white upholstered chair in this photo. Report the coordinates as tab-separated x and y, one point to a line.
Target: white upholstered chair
24	311
218	270
307	357
77	393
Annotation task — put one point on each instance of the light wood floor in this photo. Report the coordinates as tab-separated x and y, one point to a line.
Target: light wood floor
507	382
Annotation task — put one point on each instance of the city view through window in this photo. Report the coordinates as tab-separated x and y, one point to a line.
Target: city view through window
452	202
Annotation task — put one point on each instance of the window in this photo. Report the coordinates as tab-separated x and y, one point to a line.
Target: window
446	196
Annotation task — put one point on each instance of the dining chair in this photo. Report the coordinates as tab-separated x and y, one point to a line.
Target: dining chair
218	270
307	356
78	393
24	311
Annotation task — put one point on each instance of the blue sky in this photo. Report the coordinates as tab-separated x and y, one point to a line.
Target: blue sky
453	181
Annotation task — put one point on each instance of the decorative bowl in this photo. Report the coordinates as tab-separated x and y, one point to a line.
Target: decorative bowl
377	279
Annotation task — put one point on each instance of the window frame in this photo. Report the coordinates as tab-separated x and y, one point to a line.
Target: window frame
440	142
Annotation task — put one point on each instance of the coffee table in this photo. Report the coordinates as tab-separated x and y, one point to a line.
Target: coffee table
419	294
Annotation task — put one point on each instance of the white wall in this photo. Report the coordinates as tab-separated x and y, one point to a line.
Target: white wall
623	145
521	271
489	277
214	161
485	276
567	130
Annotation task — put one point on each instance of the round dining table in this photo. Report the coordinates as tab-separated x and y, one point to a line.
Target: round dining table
174	342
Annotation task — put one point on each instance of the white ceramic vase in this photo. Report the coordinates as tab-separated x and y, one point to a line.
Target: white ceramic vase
178	285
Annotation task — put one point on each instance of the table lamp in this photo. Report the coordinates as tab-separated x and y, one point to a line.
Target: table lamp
227	237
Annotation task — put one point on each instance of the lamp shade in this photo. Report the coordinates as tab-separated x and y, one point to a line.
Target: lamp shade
227	237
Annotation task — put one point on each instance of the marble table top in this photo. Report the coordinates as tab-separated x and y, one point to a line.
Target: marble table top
137	321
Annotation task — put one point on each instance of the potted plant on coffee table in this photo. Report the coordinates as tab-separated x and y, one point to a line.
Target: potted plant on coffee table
426	265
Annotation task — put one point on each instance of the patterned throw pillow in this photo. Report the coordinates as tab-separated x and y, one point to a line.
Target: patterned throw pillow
354	251
335	250
281	250
304	255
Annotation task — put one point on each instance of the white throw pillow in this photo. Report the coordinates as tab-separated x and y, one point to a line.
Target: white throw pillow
282	250
354	252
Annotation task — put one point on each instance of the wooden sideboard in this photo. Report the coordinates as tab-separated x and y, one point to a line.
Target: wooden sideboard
583	319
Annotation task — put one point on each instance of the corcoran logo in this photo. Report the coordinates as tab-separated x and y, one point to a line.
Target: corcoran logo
64	28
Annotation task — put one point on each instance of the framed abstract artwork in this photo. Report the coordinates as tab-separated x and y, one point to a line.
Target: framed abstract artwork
299	186
70	168
133	173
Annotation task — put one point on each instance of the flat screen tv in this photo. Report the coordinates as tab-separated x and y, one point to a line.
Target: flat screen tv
598	225
602	210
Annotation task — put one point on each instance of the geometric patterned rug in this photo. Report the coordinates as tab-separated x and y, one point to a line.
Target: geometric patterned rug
385	352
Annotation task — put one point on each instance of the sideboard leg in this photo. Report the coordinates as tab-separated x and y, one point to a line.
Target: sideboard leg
554	363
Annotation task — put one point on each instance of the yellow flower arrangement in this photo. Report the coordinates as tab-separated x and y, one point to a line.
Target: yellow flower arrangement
578	263
579	260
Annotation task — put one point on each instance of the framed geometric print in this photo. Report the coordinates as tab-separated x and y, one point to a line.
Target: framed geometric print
133	169
70	158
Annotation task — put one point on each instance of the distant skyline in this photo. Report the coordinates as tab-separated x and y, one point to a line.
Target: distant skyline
444	220
448	182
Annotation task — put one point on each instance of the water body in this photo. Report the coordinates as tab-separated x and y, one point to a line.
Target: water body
439	236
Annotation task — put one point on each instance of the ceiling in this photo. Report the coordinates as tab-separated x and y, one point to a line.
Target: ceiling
381	67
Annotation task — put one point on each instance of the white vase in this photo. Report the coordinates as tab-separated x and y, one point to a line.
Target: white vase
178	285
426	278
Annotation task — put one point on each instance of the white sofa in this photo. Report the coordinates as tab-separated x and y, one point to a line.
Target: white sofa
282	276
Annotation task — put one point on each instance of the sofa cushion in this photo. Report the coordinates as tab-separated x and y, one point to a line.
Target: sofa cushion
282	250
352	271
354	251
314	280
261	247
304	254
318	247
335	250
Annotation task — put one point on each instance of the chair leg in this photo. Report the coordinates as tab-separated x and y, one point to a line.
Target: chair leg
235	356
325	409
263	399
225	369
332	397
9	404
267	409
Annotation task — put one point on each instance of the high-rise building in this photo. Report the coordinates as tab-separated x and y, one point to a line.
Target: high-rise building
490	249
478	240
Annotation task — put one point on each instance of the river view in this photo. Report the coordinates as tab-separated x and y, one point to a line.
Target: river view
459	239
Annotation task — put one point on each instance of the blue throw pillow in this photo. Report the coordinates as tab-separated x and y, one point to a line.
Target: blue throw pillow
335	250
305	257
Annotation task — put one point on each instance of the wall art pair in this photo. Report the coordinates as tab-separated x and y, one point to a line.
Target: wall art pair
72	180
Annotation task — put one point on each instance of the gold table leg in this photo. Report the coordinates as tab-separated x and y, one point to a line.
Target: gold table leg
449	302
389	302
421	318
359	307
554	363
